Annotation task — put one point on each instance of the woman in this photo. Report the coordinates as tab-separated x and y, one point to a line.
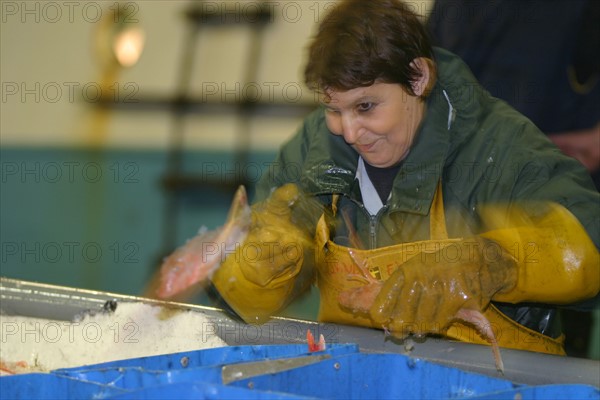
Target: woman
427	197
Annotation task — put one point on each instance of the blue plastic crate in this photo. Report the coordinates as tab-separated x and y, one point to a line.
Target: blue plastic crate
381	376
394	376
273	371
137	374
209	357
50	386
201	365
203	390
579	392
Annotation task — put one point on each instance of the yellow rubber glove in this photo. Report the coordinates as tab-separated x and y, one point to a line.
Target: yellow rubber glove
262	275
544	257
427	292
275	243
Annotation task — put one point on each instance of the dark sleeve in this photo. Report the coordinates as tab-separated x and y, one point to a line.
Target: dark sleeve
539	56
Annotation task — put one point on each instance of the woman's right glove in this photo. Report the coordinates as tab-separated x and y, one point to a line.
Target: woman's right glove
276	242
263	274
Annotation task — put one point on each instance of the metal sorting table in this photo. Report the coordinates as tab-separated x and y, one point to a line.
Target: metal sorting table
63	303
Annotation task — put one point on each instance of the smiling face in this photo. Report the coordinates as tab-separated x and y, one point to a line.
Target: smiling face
379	121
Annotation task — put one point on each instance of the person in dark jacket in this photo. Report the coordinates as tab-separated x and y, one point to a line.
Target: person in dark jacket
539	56
542	58
412	195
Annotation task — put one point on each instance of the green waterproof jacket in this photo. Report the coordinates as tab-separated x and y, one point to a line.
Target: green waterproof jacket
479	148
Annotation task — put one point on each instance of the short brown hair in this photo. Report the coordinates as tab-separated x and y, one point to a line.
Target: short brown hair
360	42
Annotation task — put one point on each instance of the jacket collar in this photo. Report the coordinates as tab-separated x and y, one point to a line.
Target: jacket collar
417	180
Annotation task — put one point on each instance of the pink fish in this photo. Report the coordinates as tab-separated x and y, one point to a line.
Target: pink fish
199	257
312	346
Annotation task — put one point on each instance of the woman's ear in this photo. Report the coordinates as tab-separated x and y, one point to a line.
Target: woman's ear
424	83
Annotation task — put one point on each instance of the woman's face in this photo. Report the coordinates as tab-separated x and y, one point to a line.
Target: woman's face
378	121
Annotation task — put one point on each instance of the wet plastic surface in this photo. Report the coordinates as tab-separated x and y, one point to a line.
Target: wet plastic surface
276	371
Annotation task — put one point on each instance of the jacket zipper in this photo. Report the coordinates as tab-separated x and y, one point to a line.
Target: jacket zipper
373	231
373	219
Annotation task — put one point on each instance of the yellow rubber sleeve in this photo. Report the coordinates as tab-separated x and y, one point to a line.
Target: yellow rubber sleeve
253	303
557	262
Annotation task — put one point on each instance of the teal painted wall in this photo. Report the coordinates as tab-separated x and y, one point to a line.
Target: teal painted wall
94	219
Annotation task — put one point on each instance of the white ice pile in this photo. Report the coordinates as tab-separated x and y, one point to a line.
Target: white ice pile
133	329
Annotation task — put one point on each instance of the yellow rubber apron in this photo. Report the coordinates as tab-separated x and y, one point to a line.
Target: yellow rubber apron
337	271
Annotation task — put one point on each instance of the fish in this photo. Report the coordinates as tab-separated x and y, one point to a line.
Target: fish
196	261
312	346
15	367
477	319
362	298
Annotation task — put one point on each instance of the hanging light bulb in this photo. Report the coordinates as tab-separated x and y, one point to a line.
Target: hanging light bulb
119	39
128	45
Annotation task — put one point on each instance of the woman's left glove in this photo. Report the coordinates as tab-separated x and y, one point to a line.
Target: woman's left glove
544	256
425	293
